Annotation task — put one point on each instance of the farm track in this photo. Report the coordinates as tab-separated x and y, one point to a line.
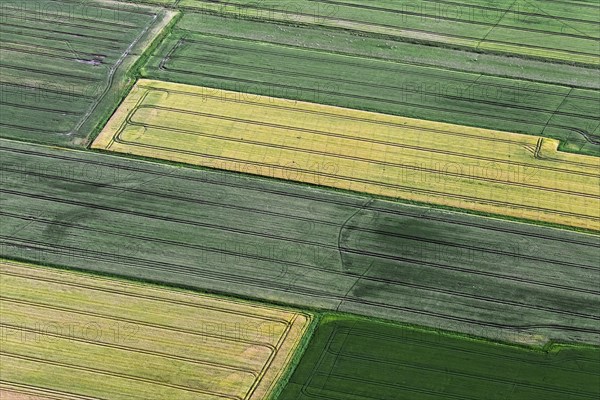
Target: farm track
181	269
333	348
80	285
29	129
47	393
131	349
227	307
51	47
354	82
581	132
52	89
517	12
46	306
42	109
46	47
70	17
55	39
145	264
423	367
200	43
313	268
185	36
51	73
66	33
558	364
367	181
385	210
389	26
114	5
329	154
106	372
438	17
64	23
43	54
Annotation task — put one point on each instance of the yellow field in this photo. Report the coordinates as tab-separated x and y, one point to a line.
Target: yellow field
67	335
489	171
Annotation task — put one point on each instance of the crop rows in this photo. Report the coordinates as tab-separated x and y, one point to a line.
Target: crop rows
344	354
64	65
350	253
545	30
419	179
301	72
487	171
139	342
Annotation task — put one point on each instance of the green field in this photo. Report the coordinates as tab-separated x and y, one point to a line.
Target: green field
64	64
423	260
357	359
299	245
526	28
248	59
343	42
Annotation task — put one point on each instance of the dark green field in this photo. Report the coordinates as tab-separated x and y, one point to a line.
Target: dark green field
271	240
357	359
253	59
552	30
387	281
64	64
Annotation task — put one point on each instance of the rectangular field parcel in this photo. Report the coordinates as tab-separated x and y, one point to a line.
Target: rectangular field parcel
488	171
372	74
63	64
358	359
71	335
542	29
300	245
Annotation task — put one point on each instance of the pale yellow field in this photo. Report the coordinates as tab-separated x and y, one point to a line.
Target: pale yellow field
16	395
489	171
68	335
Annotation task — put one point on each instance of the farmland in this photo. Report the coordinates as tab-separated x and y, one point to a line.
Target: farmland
299	199
487	171
357	359
69	334
298	245
64	65
356	73
554	31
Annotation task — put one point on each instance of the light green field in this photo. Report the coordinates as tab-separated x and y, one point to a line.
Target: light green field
64	65
527	28
425	82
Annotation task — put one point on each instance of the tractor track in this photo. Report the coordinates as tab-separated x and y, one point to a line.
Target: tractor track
387	210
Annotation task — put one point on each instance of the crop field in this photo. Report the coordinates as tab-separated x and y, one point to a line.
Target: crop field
487	171
357	359
249	59
299	199
552	30
298	245
63	64
68	334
